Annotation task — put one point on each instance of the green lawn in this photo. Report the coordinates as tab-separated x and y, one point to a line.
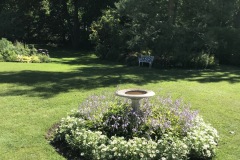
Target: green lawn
35	96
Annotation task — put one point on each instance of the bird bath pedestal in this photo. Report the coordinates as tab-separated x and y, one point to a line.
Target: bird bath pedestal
135	95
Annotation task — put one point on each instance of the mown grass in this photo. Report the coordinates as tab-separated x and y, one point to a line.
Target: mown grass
35	96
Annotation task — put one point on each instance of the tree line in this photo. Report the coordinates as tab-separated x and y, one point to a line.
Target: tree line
57	21
177	32
180	33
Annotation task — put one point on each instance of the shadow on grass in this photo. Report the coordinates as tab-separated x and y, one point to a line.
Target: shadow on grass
98	73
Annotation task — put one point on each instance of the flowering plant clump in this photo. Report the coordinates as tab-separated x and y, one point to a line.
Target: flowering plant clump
106	127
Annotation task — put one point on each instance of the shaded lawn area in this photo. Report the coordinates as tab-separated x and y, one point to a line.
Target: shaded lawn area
35	96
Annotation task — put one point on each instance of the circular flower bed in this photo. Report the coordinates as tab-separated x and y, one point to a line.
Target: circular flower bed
106	127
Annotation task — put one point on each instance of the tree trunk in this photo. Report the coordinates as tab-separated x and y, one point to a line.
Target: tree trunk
76	26
172	11
73	22
67	16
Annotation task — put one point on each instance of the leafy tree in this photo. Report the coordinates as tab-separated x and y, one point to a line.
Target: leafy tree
177	31
58	21
73	19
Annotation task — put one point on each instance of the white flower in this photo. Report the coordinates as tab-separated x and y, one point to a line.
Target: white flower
208	153
205	146
152	155
122	142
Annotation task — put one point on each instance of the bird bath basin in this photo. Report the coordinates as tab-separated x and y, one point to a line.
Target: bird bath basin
135	95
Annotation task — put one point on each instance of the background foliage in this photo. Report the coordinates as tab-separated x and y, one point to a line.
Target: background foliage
19	52
58	21
179	33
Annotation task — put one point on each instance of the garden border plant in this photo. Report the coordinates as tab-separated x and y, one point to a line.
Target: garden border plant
106	127
19	52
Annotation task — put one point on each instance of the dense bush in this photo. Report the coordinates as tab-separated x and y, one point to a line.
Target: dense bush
228	51
192	37
19	52
106	35
197	60
106	127
124	30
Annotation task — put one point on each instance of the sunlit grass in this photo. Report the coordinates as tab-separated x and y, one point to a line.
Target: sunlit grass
35	96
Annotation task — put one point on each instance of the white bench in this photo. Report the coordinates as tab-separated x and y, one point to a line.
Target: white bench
43	51
146	59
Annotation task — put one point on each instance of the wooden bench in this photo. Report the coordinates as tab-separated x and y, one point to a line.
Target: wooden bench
146	59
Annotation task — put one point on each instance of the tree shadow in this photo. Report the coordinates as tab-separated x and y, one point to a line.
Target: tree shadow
98	73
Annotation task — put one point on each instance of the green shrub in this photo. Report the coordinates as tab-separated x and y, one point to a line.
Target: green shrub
44	58
105	34
200	60
9	55
5	44
7	50
131	60
21	49
35	59
20	52
203	60
26	59
33	51
1	58
108	128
